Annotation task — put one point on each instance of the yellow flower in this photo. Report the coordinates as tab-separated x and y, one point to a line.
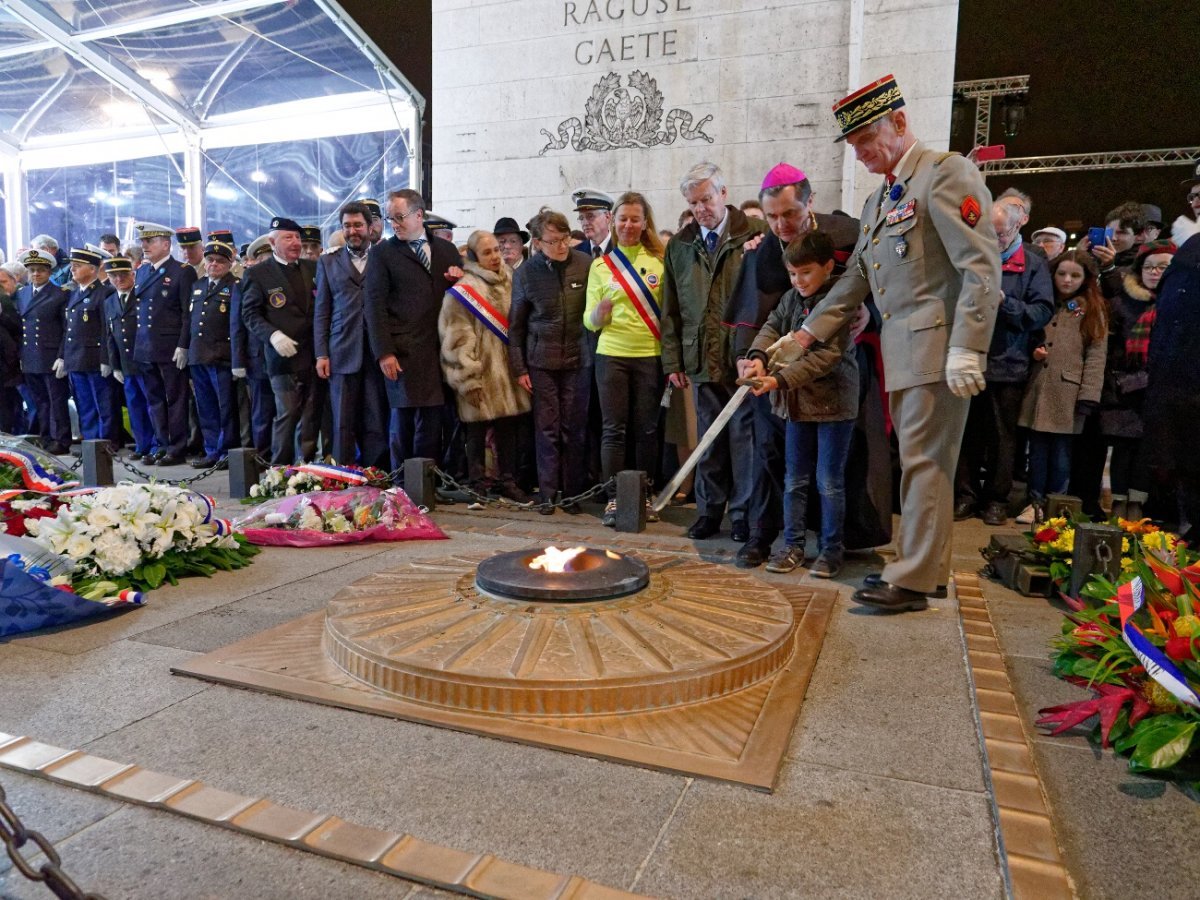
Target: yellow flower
1065	542
1187	626
1124	545
1058	522
1160	540
1126	563
1160	699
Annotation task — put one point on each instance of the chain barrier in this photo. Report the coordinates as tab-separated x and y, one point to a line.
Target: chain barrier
15	835
186	481
447	482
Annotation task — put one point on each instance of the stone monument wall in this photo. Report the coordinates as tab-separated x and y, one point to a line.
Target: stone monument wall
535	98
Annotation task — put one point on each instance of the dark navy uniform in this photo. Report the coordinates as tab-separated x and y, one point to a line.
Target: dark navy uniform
280	298
210	359
248	356
83	354
120	317
162	293
42	312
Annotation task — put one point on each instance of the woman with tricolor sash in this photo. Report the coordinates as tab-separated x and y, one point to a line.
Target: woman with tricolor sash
623	306
473	328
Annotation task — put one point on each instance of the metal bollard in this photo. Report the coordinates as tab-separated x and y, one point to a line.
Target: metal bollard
97	463
243	471
1097	552
1064	505
418	482
631	501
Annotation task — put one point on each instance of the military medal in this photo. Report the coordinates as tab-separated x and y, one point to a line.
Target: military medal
896	192
85	315
222	307
902	247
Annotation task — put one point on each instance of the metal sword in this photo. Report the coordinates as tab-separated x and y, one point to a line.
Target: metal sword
717	426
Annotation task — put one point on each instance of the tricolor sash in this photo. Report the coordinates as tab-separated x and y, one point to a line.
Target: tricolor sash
481	309
635	289
1129	600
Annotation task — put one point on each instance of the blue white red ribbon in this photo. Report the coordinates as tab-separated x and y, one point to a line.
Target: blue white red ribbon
1130	599
33	473
491	317
336	473
635	289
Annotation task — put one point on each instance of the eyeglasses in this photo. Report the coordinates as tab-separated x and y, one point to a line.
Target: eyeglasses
557	242
397	220
1161	267
1194	195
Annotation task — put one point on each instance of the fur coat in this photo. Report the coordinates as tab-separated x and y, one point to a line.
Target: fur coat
474	360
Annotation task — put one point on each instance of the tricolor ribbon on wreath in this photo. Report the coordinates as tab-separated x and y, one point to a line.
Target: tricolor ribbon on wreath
35	476
1130	599
635	289
477	306
335	473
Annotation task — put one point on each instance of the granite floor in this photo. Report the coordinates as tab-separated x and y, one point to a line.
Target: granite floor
883	791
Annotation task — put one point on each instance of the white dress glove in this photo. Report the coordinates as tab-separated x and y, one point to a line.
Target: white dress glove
283	344
105	370
964	372
239	373
60	369
119	375
180	357
783	352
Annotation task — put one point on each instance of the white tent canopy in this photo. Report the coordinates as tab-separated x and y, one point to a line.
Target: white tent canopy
210	112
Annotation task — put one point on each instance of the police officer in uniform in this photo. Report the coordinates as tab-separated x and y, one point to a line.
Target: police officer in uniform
310	242
277	306
41	305
120	317
83	347
927	252
249	359
210	356
163	288
192	245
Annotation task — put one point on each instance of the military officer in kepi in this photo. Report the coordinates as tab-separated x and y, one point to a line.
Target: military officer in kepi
120	316
41	305
209	354
277	307
927	251
163	288
83	348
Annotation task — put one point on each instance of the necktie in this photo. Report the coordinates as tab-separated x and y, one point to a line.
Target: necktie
710	241
597	252
421	248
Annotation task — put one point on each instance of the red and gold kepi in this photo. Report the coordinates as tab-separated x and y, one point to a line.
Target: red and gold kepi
867	105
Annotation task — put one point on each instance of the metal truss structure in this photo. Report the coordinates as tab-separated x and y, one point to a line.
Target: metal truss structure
983	91
1091	162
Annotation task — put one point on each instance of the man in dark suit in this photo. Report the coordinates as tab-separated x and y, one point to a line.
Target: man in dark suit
41	305
163	287
407	277
120	317
359	399
249	359
277	307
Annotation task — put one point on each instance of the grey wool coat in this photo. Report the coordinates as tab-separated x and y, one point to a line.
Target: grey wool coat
1073	371
474	359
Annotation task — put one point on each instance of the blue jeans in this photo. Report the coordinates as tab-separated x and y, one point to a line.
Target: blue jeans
1049	463
819	448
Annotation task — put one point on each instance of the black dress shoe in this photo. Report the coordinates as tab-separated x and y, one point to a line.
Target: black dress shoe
202	462
995	514
704	527
875	580
964	509
890	598
571	508
753	553
168	459
740	531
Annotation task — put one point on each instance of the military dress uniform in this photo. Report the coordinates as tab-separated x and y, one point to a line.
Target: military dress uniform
84	354
210	358
120	320
250	364
42	312
927	252
163	290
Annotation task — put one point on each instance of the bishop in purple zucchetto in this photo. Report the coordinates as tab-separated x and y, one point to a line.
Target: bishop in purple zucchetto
782	174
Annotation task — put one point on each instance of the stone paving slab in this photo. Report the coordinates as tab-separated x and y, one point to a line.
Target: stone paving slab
71	699
535	807
55	811
140	853
827	833
891	698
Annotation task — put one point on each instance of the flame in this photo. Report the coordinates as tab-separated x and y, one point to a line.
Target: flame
553	560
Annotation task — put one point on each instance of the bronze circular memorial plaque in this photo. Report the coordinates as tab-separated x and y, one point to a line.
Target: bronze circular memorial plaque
435	633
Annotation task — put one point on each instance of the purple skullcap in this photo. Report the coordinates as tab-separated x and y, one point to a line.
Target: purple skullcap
783	174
